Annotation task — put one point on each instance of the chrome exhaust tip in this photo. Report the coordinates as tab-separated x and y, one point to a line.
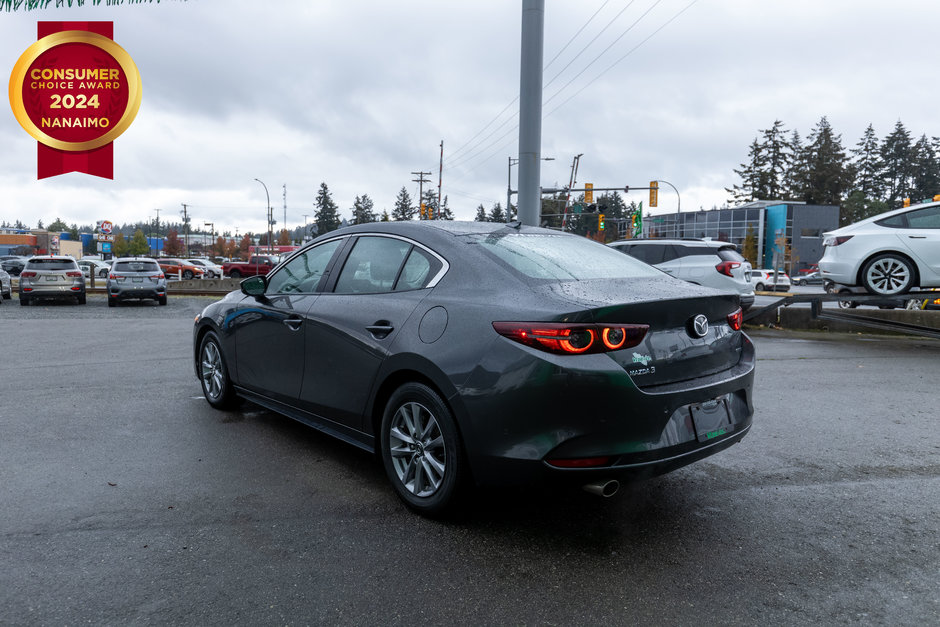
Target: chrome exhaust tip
604	489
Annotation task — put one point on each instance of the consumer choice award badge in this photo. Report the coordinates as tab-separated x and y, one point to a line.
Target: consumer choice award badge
75	91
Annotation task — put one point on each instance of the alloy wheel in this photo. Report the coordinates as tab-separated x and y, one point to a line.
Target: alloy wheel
888	275
213	371
417	449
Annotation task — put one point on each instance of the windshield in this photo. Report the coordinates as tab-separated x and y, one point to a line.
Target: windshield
561	257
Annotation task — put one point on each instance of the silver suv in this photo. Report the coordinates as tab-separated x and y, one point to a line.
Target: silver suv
704	262
51	276
135	277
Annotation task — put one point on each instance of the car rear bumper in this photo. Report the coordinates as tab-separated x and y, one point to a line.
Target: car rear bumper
540	428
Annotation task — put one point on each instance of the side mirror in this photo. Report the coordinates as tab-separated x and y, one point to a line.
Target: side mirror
254	285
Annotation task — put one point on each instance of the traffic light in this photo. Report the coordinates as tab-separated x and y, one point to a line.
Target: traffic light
589	192
654	193
907	202
424	211
600	222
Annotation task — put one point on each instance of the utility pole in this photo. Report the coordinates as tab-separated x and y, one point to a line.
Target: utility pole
285	207
530	111
303	236
421	181
440	174
185	214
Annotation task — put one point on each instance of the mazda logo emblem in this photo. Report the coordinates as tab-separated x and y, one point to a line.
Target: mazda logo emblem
698	326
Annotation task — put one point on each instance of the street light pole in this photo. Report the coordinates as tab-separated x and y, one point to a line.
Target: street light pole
270	218
211	226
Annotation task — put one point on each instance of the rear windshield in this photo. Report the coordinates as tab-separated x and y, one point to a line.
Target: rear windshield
561	257
52	264
136	266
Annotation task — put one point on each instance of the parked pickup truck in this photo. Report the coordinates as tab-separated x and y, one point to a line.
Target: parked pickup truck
257	264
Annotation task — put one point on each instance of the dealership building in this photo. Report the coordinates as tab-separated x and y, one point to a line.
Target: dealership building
803	226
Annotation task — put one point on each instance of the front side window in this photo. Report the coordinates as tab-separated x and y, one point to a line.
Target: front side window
928	218
303	273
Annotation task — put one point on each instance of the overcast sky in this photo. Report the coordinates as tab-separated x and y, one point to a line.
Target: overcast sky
360	93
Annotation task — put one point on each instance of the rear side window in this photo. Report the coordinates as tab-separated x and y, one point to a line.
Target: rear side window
648	253
52	264
928	218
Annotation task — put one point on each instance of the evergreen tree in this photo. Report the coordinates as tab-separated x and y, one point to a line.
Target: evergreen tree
896	157
446	213
430	205
362	210
829	176
496	214
777	154
326	217
385	216
925	170
796	180
867	166
481	214
138	245
403	209
753	177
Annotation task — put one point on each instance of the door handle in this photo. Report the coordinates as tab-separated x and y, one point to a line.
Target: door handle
294	322
917	236
380	329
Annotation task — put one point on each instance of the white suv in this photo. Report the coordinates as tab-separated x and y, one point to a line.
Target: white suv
704	262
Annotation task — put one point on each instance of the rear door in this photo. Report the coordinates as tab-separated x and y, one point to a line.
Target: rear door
351	327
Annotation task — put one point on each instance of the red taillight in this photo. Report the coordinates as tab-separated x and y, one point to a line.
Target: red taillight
27	275
836	240
114	277
736	319
725	267
73	273
582	462
571	339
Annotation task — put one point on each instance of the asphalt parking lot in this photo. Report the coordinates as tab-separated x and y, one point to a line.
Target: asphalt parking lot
128	500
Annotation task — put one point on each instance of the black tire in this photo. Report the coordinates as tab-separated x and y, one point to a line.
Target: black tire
187	274
889	274
24	301
162	300
847	304
422	451
80	299
103	273
213	373
759	287
235	274
112	302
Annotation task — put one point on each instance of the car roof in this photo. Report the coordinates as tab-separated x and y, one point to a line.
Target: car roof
681	241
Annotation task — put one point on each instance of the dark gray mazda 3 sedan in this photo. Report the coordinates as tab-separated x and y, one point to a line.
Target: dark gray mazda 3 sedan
478	353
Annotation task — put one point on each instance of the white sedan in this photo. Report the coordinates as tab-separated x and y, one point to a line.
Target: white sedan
890	253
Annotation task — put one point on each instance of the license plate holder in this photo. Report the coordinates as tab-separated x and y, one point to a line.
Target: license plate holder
138	279
711	419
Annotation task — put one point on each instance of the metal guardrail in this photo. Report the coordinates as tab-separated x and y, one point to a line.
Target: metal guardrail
816	301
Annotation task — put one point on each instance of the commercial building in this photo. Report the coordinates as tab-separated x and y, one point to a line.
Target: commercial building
798	226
